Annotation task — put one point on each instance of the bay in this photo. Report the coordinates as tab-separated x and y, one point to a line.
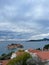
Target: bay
27	45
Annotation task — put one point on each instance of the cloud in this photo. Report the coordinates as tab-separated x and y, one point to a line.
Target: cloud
25	16
40	36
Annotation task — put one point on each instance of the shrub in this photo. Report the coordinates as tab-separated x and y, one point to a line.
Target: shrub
21	50
20	60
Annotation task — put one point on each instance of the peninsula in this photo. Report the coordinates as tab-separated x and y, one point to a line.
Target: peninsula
44	39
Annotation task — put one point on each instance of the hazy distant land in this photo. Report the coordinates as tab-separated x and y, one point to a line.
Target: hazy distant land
44	39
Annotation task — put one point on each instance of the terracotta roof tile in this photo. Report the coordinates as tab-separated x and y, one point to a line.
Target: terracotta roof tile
44	55
33	50
4	62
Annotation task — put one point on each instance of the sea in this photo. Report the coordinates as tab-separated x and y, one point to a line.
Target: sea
27	45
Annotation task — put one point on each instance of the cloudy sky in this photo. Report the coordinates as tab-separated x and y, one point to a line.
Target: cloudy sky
29	18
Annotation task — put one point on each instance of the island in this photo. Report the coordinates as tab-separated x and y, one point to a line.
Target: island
14	46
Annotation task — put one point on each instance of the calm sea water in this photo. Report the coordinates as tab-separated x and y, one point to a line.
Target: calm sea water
27	45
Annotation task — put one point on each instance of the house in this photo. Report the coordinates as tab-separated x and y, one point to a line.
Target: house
16	54
3	62
13	55
42	55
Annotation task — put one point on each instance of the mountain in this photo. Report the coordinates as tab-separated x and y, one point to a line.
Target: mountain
44	39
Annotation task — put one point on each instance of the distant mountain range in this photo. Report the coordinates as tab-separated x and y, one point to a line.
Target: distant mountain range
44	39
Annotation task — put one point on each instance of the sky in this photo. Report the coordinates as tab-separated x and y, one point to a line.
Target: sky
29	19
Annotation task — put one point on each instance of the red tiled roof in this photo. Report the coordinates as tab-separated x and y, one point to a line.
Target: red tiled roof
33	50
44	55
4	62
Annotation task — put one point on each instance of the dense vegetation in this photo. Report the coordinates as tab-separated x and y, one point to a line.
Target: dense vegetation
20	60
38	49
6	56
46	47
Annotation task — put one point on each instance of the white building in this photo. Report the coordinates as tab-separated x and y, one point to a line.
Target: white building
13	55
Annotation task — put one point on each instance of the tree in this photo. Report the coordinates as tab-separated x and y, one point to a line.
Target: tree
46	47
38	49
6	56
20	60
